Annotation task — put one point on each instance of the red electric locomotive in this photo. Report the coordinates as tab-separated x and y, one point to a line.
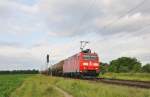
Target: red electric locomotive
84	63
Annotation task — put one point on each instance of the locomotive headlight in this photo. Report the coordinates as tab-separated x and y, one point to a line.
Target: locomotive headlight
85	64
96	64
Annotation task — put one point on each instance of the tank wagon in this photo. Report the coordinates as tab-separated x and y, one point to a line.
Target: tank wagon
57	69
84	63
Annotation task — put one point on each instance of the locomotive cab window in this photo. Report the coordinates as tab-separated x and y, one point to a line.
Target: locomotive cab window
89	57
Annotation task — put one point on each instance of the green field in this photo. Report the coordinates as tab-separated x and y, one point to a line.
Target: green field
44	86
8	83
37	86
128	76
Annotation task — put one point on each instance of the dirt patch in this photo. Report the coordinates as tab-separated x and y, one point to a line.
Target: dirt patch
63	92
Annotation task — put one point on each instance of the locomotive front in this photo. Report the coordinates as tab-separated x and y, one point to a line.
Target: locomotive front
89	63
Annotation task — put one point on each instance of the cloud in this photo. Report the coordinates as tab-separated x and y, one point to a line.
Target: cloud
30	30
84	21
13	54
6	44
70	17
122	44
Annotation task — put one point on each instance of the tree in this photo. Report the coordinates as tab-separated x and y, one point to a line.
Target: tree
103	67
146	68
125	64
20	72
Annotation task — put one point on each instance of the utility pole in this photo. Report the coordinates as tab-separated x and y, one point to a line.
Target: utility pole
83	44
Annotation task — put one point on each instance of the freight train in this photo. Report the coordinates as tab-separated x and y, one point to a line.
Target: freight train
84	63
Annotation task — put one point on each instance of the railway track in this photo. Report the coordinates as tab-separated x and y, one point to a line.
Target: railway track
131	83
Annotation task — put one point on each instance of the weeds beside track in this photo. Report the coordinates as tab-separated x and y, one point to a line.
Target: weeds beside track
139	84
131	83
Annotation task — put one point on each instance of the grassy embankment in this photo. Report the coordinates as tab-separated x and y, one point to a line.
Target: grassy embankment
42	86
26	86
9	83
128	76
80	88
37	86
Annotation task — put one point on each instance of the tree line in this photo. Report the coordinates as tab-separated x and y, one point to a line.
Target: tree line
124	64
20	72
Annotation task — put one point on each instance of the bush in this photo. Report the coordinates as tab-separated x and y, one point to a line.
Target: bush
125	64
146	68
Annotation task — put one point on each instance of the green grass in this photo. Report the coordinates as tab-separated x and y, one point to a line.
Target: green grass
128	76
79	88
43	86
9	83
37	86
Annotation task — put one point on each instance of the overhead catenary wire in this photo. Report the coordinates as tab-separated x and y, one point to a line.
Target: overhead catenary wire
84	16
110	23
86	13
143	28
120	17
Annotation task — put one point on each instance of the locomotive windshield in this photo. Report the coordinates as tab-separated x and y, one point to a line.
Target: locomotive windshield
89	57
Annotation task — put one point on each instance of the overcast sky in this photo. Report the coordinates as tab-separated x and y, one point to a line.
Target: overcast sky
29	29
